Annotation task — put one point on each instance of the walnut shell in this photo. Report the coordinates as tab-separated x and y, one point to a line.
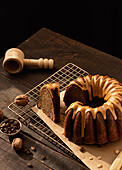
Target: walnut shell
17	144
21	100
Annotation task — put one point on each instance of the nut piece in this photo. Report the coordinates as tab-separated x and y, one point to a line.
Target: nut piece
91	158
17	144
21	100
99	157
117	151
1	114
29	165
99	165
33	148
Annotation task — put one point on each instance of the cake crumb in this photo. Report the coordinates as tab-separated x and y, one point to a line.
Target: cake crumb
99	157
91	158
99	165
117	151
82	149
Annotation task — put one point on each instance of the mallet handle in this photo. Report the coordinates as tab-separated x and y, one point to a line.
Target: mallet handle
41	63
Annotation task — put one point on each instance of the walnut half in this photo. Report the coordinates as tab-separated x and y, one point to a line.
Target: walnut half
21	100
17	144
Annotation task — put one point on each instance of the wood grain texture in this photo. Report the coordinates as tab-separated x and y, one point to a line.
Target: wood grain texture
19	159
48	44
10	159
64	50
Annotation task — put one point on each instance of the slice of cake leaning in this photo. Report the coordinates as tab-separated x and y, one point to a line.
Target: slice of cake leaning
49	101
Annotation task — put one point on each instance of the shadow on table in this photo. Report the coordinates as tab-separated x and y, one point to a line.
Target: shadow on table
25	152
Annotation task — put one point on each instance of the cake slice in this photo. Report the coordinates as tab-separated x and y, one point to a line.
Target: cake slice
49	101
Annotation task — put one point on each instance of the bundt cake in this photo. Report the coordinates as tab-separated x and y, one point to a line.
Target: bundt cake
94	113
49	101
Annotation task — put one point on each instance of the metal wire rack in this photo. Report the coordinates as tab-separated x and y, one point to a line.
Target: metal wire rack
28	116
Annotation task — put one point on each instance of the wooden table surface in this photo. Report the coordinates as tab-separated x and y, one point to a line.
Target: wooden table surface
47	44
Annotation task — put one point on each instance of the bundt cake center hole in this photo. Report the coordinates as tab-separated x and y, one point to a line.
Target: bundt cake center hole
96	102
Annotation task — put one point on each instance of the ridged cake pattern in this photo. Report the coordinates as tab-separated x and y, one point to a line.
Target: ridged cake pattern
102	87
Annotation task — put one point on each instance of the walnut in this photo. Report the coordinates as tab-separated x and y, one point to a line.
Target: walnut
17	144
21	100
1	114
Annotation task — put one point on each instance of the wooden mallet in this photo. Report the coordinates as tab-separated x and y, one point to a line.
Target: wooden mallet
14	61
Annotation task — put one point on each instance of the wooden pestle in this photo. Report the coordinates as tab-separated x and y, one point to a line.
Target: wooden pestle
14	61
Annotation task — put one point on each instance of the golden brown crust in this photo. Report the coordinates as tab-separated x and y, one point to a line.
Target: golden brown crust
101	133
112	129
89	137
77	137
68	124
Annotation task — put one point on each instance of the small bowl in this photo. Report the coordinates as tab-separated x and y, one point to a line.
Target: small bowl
13	126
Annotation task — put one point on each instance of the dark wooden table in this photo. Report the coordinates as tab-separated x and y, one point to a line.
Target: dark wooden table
47	44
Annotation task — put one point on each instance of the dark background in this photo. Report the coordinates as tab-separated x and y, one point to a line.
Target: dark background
97	24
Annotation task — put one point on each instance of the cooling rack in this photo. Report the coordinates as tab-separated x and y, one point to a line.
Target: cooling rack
31	120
